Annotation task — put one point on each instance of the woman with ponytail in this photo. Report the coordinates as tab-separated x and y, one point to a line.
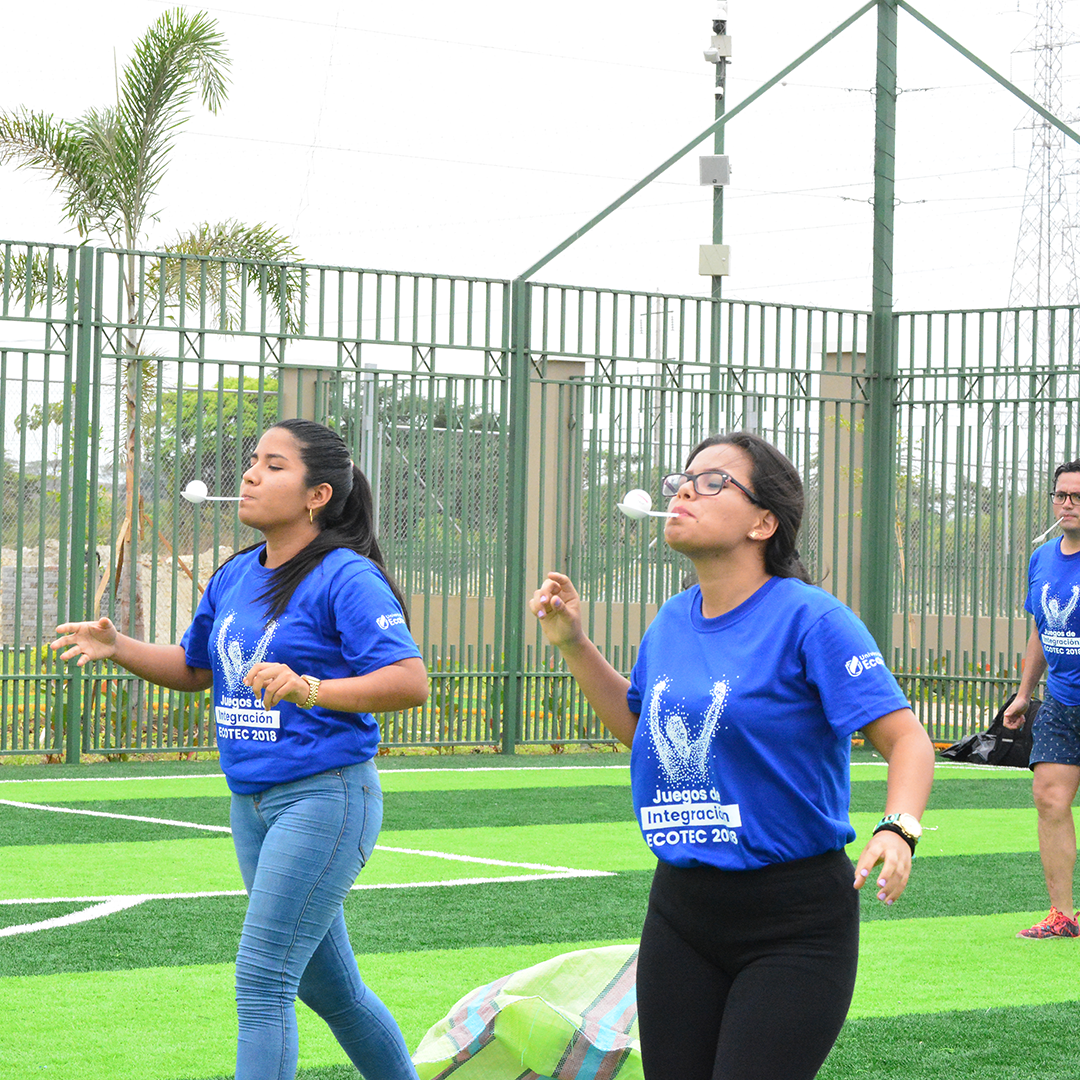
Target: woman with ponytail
303	637
739	711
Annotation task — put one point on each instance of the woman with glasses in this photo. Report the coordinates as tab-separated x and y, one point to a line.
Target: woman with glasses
740	710
302	637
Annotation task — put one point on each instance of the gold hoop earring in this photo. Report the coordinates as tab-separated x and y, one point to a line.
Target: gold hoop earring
311	515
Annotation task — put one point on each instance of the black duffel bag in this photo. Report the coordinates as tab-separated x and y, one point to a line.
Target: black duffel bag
998	745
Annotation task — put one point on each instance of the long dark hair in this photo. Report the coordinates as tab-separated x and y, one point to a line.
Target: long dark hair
777	486
346	521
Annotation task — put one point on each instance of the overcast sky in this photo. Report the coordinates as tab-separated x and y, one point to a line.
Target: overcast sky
472	138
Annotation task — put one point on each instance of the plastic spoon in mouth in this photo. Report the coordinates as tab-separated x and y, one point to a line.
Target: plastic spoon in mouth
637	504
196	492
1043	535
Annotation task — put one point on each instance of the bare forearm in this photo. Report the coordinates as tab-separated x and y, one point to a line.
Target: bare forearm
402	685
904	744
164	665
911	773
604	688
1034	666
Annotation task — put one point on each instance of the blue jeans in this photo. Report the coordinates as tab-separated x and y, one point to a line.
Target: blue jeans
301	846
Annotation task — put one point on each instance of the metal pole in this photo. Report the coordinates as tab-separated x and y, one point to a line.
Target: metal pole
719	27
518	485
879	472
79	550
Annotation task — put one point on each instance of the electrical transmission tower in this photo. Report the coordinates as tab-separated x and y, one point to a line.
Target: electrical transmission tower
1044	267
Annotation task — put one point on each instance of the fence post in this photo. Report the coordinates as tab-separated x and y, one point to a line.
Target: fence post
79	552
517	481
879	486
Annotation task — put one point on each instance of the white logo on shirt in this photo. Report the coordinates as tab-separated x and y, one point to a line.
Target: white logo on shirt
858	664
684	758
234	665
1057	617
384	622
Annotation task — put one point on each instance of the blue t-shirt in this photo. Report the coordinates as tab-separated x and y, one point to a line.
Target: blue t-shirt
741	754
1054	599
341	621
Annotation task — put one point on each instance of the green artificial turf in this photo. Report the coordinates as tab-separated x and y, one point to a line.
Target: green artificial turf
20	826
945	988
412	810
869	795
163	933
1010	1043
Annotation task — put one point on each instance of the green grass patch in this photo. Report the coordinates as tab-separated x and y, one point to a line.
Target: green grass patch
403	810
113	788
166	933
1010	1043
146	993
967	962
203	864
557	805
186	1014
167	1023
868	796
542	774
965	832
21	827
965	885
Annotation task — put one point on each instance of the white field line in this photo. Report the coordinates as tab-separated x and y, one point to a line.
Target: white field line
119	817
384	772
107	905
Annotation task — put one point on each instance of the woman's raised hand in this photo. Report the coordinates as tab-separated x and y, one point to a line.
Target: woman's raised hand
558	607
86	640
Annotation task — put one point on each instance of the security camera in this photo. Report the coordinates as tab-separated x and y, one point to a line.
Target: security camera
712	56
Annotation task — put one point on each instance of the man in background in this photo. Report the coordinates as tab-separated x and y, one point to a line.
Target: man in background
1053	598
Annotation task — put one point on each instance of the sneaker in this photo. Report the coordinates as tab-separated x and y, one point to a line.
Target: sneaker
1056	924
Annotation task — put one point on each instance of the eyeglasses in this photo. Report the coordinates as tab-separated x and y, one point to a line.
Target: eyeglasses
705	483
1058	498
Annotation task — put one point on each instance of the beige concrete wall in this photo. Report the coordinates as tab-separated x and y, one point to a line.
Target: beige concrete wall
841	479
938	634
628	622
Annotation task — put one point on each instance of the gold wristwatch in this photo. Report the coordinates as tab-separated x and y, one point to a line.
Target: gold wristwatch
313	691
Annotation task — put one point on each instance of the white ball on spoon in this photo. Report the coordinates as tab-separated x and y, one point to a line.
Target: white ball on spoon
636	503
195	492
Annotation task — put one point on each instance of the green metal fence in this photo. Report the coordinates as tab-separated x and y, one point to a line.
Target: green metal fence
498	433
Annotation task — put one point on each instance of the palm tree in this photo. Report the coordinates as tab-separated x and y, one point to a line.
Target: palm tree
108	164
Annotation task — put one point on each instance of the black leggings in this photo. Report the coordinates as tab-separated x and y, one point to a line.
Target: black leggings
747	975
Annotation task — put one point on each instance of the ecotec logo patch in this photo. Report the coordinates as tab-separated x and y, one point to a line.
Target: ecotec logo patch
858	664
384	622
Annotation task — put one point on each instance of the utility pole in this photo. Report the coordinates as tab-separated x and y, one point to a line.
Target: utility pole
718	53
